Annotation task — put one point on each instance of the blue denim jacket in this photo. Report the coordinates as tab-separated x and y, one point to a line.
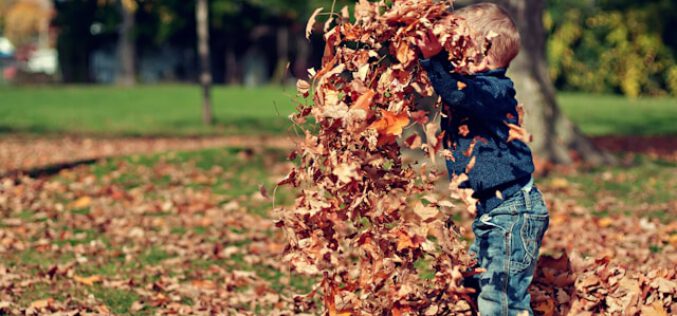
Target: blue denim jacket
478	111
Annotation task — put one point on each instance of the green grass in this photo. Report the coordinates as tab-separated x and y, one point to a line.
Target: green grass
631	188
144	110
163	110
617	115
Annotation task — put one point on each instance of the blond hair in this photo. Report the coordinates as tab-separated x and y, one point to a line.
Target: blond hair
485	18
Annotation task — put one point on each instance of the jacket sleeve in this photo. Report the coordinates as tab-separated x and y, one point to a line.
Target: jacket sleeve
480	99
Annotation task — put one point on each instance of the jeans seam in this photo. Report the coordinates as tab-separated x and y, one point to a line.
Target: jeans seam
524	236
506	266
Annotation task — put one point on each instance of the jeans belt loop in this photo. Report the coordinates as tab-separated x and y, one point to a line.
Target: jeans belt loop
527	200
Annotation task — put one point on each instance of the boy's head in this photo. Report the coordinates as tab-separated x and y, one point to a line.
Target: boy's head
485	18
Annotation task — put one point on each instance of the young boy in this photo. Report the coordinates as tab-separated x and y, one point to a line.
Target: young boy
511	215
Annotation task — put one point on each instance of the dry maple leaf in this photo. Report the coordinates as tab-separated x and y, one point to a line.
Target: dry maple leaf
302	87
425	212
518	132
391	124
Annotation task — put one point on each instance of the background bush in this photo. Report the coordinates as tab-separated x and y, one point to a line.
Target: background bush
616	46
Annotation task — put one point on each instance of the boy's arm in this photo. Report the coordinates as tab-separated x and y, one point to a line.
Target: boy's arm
446	84
461	91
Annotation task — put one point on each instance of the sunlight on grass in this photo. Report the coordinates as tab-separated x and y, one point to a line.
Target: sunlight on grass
170	110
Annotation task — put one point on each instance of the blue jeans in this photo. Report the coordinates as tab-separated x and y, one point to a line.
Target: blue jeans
507	240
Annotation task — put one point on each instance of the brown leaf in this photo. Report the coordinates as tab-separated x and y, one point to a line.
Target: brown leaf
519	133
425	212
390	124
302	87
263	191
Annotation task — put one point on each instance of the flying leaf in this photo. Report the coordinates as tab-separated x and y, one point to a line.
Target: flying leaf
404	53
425	212
391	124
302	87
518	132
311	22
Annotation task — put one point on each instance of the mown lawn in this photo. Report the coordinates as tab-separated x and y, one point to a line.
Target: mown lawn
170	110
165	110
616	115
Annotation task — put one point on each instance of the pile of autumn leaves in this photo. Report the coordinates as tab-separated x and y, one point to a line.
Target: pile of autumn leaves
362	222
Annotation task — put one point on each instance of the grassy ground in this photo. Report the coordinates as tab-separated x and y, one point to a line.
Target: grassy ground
189	226
175	110
617	115
145	110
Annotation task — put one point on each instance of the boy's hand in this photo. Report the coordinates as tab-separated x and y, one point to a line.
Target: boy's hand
429	45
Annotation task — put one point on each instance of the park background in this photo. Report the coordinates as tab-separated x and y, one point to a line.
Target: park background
124	189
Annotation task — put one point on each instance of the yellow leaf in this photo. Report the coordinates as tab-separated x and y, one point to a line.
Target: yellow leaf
39	304
404	241
204	284
655	309
82	202
90	280
460	85
673	240
604	222
559	183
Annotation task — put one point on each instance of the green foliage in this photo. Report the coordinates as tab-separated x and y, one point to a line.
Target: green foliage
599	47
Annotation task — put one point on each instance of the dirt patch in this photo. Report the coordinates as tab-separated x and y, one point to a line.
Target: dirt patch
663	147
23	153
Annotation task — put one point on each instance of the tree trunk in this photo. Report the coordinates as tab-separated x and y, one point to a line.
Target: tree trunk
556	138
202	18
282	39
302	57
126	45
231	66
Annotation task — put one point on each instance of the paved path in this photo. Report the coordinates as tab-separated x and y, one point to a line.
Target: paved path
23	153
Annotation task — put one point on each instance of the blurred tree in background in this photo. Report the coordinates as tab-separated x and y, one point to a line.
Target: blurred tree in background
618	46
611	46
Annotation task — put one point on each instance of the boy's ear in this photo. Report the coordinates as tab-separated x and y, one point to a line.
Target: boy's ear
489	61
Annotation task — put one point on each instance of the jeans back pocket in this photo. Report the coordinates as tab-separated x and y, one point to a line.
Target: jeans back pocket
527	243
